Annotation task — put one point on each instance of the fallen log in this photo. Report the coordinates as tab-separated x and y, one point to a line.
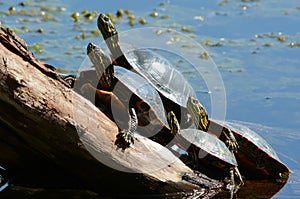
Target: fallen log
52	137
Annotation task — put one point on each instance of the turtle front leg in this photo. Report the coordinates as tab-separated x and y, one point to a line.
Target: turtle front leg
126	136
232	186
238	174
124	139
230	140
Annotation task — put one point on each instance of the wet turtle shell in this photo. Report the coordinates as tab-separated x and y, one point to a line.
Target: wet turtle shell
166	79
162	75
209	145
256	158
207	153
145	92
213	157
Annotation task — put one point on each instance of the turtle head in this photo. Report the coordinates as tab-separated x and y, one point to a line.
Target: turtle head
99	59
198	113
70	79
95	53
173	123
92	48
106	27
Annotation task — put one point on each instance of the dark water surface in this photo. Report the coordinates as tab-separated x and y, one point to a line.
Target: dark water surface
255	45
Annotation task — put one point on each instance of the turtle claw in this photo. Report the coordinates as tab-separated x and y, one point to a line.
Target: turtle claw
230	140
124	139
232	145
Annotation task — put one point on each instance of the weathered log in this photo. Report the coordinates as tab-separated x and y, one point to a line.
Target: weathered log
51	136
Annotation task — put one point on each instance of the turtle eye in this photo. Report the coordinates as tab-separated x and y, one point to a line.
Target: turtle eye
106	18
194	101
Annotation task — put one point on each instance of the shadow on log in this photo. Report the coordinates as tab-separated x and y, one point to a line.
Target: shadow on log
48	132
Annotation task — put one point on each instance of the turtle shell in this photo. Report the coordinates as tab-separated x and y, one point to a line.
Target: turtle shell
140	87
255	157
145	92
253	137
161	74
208	154
210	144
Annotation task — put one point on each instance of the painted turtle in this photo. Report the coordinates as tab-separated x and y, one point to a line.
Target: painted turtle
209	154
256	158
169	82
118	90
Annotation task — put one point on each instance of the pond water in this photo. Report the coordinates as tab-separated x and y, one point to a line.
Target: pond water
255	45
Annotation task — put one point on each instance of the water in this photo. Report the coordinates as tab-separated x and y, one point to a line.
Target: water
260	69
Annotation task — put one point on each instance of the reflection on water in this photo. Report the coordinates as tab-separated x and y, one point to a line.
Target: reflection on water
255	45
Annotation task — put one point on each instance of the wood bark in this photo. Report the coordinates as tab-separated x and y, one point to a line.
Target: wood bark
51	136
